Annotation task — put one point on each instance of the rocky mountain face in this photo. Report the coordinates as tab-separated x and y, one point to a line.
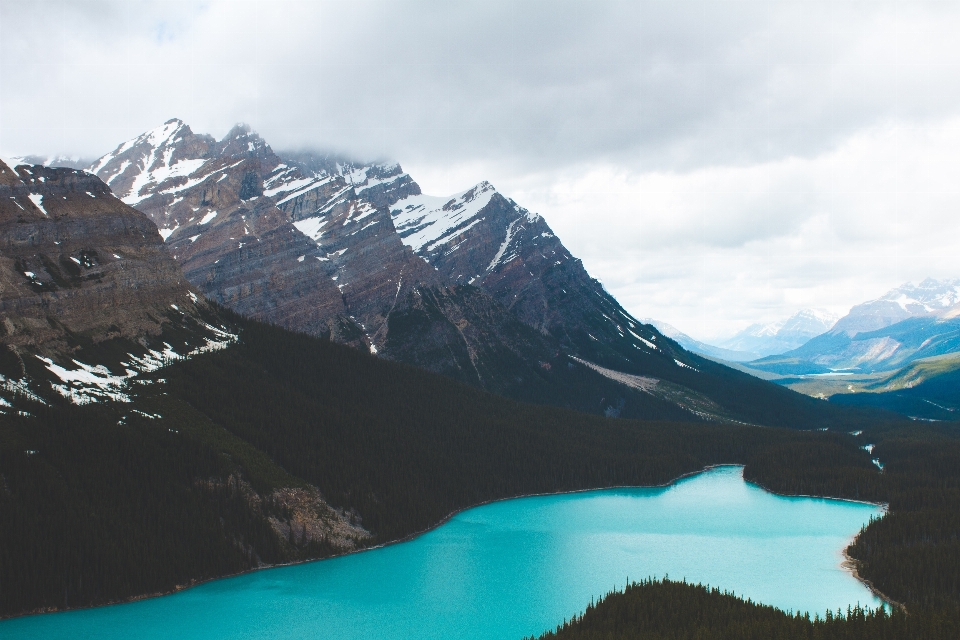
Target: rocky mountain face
78	265
89	296
481	238
312	243
471	285
906	324
231	240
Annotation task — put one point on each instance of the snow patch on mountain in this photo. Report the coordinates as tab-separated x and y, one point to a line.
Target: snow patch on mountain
424	220
96	383
37	201
499	257
929	296
312	227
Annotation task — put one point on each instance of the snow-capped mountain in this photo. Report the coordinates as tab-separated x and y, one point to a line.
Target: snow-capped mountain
470	285
905	324
310	242
930	297
783	335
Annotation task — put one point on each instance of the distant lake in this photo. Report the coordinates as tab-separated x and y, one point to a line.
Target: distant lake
516	568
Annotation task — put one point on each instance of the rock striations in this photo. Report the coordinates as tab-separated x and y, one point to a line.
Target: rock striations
472	285
77	264
215	201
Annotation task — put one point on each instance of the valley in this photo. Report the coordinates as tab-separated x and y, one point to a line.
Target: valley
166	420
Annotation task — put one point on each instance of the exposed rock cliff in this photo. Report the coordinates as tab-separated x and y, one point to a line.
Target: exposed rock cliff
306	243
472	285
77	264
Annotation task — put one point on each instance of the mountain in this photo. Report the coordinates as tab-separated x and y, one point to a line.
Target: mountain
906	324
471	285
929	298
783	335
308	244
696	346
340	247
150	439
79	267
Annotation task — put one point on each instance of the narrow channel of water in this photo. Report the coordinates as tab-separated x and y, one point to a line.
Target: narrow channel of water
516	568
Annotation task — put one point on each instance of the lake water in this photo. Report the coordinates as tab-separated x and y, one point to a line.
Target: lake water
516	568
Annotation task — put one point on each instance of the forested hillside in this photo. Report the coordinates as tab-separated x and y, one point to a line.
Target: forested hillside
664	610
207	470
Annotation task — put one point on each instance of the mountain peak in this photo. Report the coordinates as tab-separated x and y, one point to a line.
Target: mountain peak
238	130
242	141
930	297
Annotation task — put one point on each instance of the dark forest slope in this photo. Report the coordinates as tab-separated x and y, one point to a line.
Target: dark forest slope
664	610
193	477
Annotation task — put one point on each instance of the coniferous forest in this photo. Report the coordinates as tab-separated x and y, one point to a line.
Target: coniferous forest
665	610
109	501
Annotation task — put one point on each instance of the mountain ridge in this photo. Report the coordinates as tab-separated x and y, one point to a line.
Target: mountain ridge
907	323
472	285
787	334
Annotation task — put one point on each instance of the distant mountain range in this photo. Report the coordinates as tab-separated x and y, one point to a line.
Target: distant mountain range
905	324
757	340
900	352
696	346
783	335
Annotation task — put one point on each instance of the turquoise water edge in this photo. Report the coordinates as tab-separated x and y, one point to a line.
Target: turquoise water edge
516	568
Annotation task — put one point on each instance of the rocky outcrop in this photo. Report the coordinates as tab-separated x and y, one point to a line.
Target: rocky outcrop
300	515
78	265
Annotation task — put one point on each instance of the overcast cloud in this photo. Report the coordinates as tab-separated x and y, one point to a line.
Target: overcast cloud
714	163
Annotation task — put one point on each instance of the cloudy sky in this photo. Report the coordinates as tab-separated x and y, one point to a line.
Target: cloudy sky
714	163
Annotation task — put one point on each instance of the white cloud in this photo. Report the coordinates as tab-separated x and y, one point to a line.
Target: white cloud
713	162
715	249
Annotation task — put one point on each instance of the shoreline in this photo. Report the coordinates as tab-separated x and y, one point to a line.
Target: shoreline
453	514
852	565
848	563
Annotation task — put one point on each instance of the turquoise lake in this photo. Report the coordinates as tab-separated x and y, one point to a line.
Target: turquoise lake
516	568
